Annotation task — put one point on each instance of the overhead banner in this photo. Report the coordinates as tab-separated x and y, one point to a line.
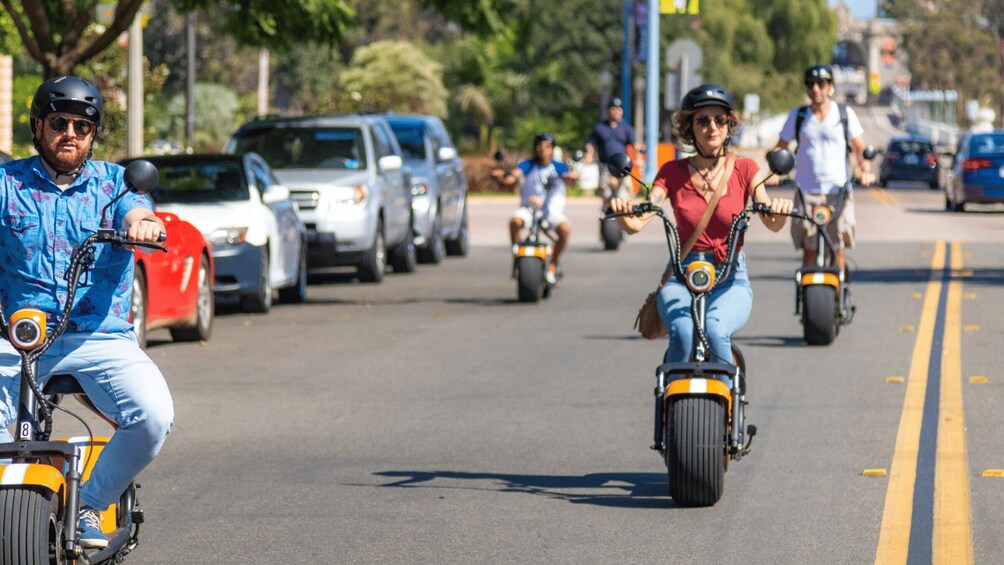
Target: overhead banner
690	7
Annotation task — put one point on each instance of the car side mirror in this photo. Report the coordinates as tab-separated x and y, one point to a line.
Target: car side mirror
446	154
619	165
390	163
275	193
780	162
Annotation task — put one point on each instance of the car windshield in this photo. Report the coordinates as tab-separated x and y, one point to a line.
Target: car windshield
987	145
201	181
911	147
305	147
411	139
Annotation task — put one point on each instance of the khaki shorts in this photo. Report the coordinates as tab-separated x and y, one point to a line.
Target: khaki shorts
803	232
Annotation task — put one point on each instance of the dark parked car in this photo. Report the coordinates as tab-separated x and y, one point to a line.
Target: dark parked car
911	159
438	186
977	173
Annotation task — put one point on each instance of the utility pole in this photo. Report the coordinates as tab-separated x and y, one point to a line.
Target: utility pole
263	81
190	84
134	112
652	92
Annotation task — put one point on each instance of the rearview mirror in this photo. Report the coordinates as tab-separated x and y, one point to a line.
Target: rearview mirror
869	152
390	163
781	162
619	165
446	154
141	176
499	156
275	193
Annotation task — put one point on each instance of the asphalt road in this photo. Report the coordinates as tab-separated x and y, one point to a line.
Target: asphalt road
433	419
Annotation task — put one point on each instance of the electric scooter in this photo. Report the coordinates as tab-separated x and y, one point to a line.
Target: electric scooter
40	487
700	405
533	265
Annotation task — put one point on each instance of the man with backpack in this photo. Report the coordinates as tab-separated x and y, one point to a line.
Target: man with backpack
826	133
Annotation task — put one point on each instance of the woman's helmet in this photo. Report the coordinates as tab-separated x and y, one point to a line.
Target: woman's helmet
543	136
819	72
707	94
66	94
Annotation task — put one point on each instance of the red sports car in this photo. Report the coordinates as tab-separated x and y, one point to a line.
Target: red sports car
174	290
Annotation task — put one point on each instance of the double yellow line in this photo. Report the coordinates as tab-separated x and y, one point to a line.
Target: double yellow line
950	534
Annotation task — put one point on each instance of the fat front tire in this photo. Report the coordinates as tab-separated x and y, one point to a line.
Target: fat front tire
819	314
529	279
137	306
459	245
695	450
261	301
612	235
30	532
205	309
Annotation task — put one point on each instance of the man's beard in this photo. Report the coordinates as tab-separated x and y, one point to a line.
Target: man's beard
64	161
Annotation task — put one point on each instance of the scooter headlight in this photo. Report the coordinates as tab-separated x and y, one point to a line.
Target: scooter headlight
821	215
700	276
27	328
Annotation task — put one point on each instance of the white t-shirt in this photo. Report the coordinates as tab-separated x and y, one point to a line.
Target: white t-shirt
821	164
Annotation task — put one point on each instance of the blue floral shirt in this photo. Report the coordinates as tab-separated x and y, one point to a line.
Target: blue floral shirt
40	226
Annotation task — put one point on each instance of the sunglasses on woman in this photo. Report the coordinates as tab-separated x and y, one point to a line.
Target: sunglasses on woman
81	127
705	121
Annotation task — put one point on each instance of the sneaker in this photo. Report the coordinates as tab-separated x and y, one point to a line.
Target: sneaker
552	274
89	524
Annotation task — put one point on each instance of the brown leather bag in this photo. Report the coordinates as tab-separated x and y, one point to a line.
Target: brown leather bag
648	323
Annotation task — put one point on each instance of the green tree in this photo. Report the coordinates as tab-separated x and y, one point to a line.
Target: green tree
62	34
394	76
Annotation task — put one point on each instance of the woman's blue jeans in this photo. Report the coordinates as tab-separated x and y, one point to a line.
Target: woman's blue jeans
122	382
728	309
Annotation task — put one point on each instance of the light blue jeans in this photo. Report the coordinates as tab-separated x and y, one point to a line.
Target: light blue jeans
727	311
122	382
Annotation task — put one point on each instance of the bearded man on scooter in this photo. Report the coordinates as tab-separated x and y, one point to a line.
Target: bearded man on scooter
51	203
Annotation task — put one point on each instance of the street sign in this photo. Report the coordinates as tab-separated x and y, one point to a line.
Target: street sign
751	103
683	57
691	7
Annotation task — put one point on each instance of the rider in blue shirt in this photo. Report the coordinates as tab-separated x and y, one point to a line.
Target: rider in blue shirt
48	205
542	186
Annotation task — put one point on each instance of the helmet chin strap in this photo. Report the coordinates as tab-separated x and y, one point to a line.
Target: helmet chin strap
720	153
60	172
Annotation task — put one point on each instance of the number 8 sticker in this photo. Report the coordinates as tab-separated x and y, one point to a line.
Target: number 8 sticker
25	430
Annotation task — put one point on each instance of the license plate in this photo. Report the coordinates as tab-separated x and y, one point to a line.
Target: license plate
911	159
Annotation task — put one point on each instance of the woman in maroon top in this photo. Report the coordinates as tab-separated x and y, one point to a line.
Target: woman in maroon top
706	121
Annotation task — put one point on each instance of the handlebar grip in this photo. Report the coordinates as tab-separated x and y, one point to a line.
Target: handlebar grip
761	207
162	237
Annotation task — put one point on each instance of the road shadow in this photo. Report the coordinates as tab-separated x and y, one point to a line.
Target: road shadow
616	490
770	340
622	337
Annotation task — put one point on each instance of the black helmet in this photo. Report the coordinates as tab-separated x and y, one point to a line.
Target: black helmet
707	94
819	72
543	136
66	94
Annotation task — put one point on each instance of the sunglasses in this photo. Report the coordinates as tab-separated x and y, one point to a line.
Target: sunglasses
81	127
705	121
811	83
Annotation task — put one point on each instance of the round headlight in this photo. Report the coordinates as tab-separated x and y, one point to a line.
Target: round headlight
821	215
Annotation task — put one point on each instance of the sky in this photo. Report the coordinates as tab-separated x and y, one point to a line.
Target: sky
861	9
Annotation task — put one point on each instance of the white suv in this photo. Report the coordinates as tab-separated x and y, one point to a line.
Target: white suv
347	175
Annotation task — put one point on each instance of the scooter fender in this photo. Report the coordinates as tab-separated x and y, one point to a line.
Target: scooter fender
820	277
32	474
539	251
701	387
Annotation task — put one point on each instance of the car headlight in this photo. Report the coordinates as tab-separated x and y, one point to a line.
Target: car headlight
419	187
357	196
227	236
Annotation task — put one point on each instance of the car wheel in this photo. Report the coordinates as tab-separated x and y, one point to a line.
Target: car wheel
375	259
137	306
434	250
297	294
459	245
205	309
261	301
403	258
